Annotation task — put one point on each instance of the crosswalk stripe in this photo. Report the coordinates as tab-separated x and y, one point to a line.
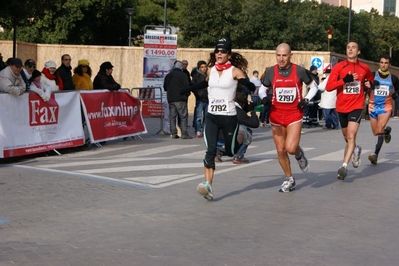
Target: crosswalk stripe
146	168
97	151
335	156
158	150
275	152
154	180
99	162
201	176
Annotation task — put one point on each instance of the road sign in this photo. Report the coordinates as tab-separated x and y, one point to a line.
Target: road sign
317	61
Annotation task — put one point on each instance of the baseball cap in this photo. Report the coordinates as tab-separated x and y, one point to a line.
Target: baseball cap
224	44
16	62
313	67
30	62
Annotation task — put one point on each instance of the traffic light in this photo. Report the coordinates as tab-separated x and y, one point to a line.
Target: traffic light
329	33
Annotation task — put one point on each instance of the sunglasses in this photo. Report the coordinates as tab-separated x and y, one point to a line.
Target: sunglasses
31	66
84	66
223	51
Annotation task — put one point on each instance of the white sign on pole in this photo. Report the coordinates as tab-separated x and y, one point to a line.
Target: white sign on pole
160	52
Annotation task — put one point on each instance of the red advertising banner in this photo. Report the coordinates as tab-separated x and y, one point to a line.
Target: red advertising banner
152	108
111	115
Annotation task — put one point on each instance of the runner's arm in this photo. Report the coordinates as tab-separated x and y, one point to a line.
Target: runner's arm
312	90
333	81
262	92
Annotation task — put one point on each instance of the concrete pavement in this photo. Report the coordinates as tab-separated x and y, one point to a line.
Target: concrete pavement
134	202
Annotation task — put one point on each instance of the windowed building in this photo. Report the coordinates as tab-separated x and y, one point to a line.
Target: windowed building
383	6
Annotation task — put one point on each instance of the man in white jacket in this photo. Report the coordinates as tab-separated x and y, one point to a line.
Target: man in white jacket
10	78
327	102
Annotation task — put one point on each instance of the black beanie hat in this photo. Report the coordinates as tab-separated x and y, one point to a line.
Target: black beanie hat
35	73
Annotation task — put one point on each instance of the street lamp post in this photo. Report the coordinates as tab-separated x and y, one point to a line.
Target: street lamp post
165	5
130	11
349	20
329	37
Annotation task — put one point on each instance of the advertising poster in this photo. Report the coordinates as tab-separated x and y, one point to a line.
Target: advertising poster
160	52
28	125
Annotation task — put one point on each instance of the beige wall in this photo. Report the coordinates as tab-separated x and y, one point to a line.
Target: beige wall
128	61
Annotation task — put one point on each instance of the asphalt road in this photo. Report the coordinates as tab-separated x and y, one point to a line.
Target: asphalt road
134	202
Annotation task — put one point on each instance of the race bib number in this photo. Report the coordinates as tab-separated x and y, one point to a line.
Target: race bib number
381	90
218	105
285	95
352	87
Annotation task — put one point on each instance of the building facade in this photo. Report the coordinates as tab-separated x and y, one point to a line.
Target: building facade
383	6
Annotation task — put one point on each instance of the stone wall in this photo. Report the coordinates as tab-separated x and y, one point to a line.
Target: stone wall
128	61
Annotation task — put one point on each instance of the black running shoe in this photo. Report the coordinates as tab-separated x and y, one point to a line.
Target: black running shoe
387	134
342	172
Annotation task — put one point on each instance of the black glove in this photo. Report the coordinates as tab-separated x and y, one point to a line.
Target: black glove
265	101
348	78
364	85
185	91
394	95
303	104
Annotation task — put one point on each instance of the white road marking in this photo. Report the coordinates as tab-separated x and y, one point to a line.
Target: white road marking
336	156
158	150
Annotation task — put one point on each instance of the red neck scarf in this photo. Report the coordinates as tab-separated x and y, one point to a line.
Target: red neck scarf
55	77
220	67
48	74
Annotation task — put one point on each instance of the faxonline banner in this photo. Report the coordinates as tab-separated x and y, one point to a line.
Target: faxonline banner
111	115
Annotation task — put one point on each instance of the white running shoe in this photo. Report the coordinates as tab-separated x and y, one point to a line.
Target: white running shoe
288	185
205	190
356	160
303	162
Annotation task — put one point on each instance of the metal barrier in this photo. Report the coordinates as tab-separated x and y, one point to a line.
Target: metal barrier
151	103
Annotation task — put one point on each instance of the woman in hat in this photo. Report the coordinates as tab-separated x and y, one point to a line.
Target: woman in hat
225	72
104	79
39	87
50	78
82	76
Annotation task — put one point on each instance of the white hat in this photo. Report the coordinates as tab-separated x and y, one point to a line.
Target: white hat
178	64
49	64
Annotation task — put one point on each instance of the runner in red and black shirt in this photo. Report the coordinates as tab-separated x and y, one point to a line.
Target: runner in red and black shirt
285	79
350	78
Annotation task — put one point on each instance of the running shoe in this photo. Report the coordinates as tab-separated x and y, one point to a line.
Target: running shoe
238	160
303	162
387	134
373	158
356	161
288	185
205	190
342	172
218	158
